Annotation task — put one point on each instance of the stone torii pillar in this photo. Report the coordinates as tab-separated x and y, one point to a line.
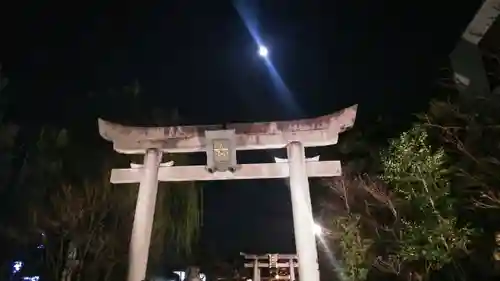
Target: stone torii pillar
220	143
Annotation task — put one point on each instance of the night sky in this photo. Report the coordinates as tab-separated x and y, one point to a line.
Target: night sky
200	57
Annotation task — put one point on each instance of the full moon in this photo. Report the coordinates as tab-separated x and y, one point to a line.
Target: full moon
263	52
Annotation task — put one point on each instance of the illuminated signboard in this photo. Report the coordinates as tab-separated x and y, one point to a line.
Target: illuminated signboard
221	150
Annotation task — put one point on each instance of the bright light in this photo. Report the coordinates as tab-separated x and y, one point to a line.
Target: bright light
263	51
317	229
17	266
182	275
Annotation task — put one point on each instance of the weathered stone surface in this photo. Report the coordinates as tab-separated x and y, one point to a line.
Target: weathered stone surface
467	57
318	131
482	21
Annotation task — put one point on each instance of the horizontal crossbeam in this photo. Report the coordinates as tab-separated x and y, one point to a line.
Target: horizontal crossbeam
266	265
243	142
244	172
260	257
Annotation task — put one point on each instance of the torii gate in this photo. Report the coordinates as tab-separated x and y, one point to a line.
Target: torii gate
220	144
274	261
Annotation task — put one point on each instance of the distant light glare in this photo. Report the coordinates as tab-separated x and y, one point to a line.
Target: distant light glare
17	266
263	51
317	229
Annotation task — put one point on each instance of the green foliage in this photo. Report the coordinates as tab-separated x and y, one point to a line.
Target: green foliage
353	229
183	217
406	223
428	228
467	128
353	248
470	135
410	159
436	214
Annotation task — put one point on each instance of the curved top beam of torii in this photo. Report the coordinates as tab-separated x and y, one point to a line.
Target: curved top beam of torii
319	131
